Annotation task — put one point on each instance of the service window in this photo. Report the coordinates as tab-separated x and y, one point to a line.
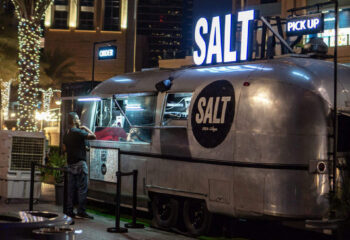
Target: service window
130	118
176	108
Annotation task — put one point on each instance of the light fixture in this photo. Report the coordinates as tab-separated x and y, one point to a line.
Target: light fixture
89	99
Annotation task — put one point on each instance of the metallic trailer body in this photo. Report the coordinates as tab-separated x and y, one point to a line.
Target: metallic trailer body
267	163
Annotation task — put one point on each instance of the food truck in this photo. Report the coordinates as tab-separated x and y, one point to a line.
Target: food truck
248	139
242	139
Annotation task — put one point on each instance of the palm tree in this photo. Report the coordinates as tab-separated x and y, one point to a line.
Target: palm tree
56	68
8	59
29	14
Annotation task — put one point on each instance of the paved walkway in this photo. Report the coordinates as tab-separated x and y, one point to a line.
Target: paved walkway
92	229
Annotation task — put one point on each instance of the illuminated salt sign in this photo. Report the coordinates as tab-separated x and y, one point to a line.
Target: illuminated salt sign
109	52
310	24
226	53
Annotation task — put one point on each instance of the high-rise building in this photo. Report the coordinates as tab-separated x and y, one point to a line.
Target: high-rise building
167	25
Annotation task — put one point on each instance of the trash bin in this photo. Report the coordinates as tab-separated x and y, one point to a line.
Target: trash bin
56	233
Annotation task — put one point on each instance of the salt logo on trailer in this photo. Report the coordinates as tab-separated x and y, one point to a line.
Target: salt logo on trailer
212	113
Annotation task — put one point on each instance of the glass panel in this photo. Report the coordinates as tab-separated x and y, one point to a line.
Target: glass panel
60	21
86	15
111	125
111	15
86	20
176	108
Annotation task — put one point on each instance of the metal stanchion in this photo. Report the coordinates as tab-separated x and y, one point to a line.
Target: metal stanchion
117	228
133	224
65	191
31	193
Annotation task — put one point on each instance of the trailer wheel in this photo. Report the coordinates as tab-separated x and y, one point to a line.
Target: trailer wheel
165	210
197	218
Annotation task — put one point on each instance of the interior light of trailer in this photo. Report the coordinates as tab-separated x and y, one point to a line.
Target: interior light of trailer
89	99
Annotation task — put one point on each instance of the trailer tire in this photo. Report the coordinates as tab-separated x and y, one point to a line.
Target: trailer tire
165	211
197	218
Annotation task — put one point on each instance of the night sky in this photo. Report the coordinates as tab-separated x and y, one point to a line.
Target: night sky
210	8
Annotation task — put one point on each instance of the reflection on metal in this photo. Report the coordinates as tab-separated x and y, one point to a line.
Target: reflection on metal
296	73
242	68
262	98
19	225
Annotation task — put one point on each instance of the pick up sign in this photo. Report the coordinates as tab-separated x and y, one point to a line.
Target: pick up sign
309	24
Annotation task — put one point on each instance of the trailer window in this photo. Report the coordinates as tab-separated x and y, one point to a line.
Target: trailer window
176	108
112	125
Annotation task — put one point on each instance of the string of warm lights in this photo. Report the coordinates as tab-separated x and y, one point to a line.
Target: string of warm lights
47	96
5	98
29	33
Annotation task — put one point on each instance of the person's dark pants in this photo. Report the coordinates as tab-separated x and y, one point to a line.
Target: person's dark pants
79	183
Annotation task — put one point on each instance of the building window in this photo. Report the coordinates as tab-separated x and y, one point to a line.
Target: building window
129	121
111	21
176	109
86	14
61	14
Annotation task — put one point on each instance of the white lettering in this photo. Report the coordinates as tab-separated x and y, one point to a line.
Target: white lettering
214	47
209	112
229	56
225	100
301	25
106	53
199	116
245	17
215	119
201	23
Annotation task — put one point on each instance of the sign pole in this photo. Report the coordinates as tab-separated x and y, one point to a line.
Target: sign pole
335	116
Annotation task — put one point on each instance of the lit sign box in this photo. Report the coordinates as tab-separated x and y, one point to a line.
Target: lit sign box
109	52
215	40
310	24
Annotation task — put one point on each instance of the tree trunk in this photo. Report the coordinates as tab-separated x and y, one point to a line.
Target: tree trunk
29	47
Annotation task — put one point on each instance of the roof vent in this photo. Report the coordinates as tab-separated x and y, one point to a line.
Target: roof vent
316	47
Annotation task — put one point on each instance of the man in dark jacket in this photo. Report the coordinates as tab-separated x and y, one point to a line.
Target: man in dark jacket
74	143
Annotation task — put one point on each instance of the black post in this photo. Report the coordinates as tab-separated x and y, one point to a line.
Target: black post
31	193
335	117
263	41
117	228
65	191
134	203
93	66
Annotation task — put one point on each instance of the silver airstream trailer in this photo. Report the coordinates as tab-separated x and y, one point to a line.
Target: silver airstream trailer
243	140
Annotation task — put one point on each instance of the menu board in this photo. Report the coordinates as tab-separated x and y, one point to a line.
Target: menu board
104	164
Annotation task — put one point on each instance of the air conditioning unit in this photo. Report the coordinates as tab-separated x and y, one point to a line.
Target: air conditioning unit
17	151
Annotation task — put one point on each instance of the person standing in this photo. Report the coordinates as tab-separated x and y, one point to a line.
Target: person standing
74	144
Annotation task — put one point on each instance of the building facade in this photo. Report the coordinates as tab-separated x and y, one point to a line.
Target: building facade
75	26
166	26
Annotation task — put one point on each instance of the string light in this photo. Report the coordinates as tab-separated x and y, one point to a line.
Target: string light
47	96
29	33
5	97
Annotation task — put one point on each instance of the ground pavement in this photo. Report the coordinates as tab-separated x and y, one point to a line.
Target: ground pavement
92	229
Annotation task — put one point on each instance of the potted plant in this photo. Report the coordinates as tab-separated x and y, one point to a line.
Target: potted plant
56	160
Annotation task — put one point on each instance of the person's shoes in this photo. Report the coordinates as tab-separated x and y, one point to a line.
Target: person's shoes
72	215
84	216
